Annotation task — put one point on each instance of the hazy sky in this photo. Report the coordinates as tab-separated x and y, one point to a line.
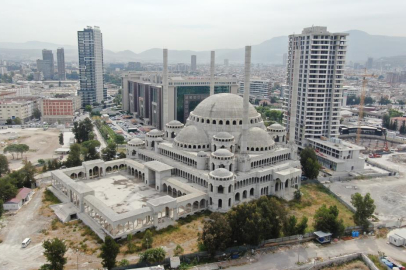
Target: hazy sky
138	25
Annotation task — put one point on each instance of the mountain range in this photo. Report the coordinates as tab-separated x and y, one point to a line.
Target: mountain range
361	45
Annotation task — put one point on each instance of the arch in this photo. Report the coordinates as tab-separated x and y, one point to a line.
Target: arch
229	202
237	197
164	188
195	205
234	123
214	122
153	144
244	194
252	192
286	183
220	189
208	121
173	134
179	193
202	203
230	187
211	188
222	166
240	122
220	122
211	201
80	175
220	204
227	122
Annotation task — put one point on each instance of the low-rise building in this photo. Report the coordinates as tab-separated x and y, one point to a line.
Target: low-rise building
23	196
22	108
60	110
337	155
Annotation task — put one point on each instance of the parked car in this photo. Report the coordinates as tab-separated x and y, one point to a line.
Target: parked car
26	242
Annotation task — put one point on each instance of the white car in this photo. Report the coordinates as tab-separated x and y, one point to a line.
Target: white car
26	242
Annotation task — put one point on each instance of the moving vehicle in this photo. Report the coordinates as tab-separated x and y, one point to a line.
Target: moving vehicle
26	242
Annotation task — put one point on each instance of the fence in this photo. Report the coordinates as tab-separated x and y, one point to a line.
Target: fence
341	260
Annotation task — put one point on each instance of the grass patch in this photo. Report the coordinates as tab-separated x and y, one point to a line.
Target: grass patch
313	197
375	260
50	197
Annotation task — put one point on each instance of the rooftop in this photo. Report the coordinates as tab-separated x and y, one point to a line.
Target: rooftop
338	144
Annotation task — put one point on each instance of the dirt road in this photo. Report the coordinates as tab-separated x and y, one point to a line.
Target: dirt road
26	223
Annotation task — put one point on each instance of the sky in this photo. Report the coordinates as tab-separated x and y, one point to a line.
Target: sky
138	25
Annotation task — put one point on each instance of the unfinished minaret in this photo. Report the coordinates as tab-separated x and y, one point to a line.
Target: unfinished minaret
165	87
212	62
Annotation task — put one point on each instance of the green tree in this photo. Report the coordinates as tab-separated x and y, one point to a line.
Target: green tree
88	108
22	148
89	150
365	208
17	121
82	130
36	113
9	121
109	252
130	244
369	100
326	220
309	162
27	174
297	195
147	240
54	252
30	77
73	159
273	215
119	139
178	250
123	262
384	101
7	189
216	233
12	149
3	165
109	152
61	138
153	255
289	228
386	121
302	226
122	155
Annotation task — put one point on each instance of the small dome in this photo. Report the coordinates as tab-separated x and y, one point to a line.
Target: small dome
221	172
174	123
192	135
155	132
276	126
159	139
137	141
202	154
223	153
258	138
223	135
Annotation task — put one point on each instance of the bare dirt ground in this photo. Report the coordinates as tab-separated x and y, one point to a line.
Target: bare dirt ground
42	144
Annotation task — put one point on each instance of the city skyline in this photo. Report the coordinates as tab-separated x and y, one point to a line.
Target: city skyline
193	30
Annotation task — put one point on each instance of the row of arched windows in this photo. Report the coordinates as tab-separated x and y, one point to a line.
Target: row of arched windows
177	157
223	122
270	161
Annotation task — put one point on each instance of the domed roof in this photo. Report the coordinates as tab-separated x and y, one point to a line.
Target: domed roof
276	126
192	135
223	153
174	123
155	132
136	141
257	137
221	172
223	106
223	135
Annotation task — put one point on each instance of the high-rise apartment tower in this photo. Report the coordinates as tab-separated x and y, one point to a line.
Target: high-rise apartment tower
90	45
193	63
315	75
60	53
46	66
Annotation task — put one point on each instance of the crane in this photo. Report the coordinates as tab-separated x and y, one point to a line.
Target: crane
361	102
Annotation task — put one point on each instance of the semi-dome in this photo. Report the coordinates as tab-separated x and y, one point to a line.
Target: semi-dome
136	141
258	138
192	135
276	126
221	172
223	106
155	132
223	135
174	123
223	153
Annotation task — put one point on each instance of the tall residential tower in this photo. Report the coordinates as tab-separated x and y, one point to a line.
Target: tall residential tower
60	53
315	71
193	63
90	45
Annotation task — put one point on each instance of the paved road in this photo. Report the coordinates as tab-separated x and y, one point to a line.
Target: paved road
27	223
287	259
99	138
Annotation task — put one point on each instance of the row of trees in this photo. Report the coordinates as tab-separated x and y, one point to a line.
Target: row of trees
16	149
386	123
109	134
250	223
356	100
269	114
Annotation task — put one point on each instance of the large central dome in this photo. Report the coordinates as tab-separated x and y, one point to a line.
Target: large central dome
226	106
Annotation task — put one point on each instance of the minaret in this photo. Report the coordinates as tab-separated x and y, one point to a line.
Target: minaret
212	59
165	90
247	75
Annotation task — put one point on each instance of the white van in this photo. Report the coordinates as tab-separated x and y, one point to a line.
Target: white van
26	242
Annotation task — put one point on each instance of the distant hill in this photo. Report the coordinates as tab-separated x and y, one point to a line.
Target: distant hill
361	45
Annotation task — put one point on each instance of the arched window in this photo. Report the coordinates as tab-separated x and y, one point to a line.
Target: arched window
214	122
220	190
234	123
227	122
220	122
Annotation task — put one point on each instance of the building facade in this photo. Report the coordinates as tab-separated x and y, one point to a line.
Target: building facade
143	95
59	110
49	68
315	73
21	108
60	54
90	45
258	88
